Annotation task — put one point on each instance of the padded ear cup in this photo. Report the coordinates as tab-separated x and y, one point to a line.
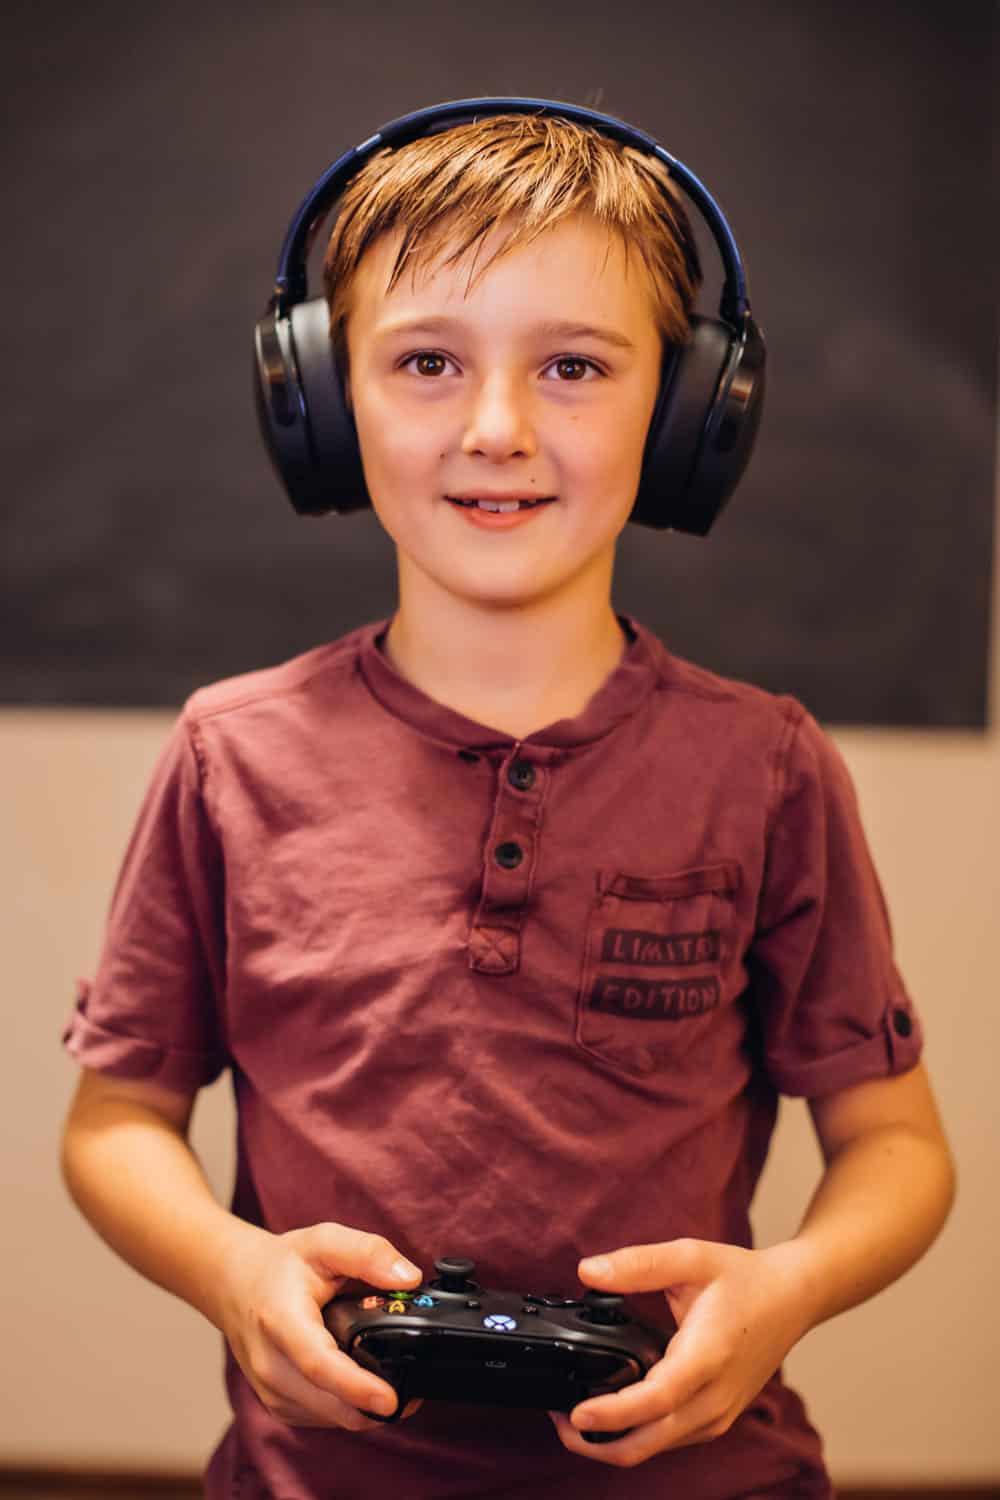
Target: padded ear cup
304	420
703	426
700	436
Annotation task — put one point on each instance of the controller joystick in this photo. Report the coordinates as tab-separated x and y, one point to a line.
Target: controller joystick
454	1275
453	1341
604	1308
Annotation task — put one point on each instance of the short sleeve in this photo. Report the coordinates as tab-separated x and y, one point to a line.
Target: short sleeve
832	1007
153	1010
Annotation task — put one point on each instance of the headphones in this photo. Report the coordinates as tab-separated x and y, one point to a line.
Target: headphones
705	420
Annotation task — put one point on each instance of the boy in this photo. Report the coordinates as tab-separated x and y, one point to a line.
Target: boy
408	885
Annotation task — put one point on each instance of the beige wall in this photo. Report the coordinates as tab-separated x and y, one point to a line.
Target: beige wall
100	1368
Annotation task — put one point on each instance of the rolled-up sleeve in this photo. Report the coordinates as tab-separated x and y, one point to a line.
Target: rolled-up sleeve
154	1006
832	1006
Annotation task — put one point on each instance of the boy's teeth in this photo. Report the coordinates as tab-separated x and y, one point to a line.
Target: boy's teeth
502	505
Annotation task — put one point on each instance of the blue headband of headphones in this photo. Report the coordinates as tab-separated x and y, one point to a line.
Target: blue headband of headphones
291	284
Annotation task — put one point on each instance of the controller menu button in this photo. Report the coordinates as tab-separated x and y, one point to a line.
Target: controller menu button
531	1307
554	1301
473	1302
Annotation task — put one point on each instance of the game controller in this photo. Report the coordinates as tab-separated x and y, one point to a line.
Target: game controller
452	1341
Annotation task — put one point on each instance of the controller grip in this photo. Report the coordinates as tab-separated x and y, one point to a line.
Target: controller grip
393	1374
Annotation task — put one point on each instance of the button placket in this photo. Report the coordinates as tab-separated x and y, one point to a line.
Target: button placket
508	866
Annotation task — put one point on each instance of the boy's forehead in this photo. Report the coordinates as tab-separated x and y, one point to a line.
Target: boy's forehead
576	262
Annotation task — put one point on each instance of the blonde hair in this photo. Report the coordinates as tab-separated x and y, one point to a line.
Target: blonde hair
533	170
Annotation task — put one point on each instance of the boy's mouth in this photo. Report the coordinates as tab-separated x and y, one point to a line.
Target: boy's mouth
499	503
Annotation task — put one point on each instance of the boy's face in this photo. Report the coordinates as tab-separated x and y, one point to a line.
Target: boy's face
457	395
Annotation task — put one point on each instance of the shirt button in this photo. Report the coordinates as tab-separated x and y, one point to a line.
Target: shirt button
902	1022
521	775
509	855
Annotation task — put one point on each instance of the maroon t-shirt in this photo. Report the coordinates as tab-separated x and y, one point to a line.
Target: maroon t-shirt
523	1001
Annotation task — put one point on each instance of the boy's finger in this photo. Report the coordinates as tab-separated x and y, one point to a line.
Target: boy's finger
308	1345
336	1250
666	1389
295	1399
650	1268
695	1422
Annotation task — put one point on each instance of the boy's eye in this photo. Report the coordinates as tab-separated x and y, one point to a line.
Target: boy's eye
577	362
424	358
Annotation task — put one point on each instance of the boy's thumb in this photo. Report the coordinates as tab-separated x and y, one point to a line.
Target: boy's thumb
647	1268
336	1250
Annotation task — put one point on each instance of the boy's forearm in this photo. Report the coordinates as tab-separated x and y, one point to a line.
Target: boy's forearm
879	1205
140	1185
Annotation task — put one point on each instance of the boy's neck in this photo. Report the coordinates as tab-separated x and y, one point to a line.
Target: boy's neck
515	670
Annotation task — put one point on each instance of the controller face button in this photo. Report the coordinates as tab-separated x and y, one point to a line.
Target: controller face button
425	1301
402	1296
396	1307
369	1304
499	1323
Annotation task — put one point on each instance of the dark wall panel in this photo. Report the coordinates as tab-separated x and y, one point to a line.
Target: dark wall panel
154	156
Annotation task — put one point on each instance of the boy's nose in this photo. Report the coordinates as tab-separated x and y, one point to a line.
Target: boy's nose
499	423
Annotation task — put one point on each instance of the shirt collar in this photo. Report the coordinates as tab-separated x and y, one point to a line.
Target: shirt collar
620	696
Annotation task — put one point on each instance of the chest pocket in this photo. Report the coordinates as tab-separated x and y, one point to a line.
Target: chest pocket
656	950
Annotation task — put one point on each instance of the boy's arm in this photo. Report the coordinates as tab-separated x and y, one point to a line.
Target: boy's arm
130	1170
127	1164
886	1191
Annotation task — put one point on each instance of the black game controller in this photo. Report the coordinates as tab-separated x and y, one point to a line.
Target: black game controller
452	1341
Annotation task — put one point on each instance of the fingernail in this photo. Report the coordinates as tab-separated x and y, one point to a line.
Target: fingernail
403	1271
596	1265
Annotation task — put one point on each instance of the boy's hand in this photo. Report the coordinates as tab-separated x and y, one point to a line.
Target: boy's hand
738	1313
272	1300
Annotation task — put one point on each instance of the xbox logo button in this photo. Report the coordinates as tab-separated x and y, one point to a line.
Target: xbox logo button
499	1323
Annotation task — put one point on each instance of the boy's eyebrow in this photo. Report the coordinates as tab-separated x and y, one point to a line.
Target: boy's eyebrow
552	329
